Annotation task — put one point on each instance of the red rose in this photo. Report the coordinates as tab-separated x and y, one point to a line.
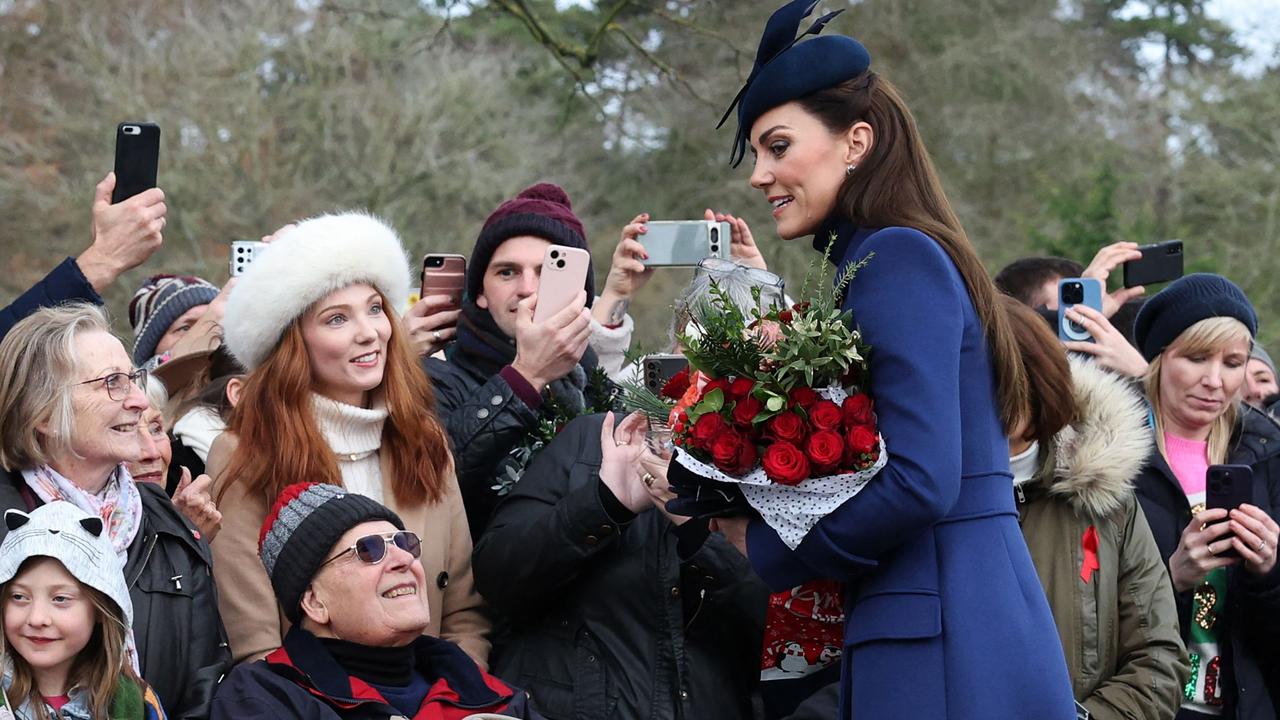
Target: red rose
785	464
824	449
733	453
745	410
718	384
708	426
859	441
740	388
676	387
803	397
785	427
857	410
785	317
825	415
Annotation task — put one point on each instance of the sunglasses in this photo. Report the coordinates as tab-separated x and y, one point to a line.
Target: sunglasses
372	549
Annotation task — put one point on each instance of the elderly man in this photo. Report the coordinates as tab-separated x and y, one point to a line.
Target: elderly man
347	575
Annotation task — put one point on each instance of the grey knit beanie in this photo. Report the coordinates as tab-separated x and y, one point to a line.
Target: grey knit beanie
299	532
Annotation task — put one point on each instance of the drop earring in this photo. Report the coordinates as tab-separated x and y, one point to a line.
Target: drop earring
848	169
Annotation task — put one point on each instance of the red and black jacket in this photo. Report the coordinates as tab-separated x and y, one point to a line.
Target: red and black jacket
302	681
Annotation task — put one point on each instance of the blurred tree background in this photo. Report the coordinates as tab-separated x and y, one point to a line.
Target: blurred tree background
1059	126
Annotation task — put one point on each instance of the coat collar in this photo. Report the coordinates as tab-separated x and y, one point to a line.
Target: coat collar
1095	458
454	677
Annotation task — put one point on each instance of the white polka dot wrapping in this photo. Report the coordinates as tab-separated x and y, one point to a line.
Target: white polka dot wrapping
793	510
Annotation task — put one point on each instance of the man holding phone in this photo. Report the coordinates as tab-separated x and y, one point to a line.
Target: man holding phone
125	234
505	373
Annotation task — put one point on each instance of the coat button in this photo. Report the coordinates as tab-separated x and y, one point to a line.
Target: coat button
606	529
482	413
592	539
684	694
442	580
675	592
496	400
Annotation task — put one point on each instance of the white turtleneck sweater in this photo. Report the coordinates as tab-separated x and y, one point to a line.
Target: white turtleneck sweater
355	434
1025	464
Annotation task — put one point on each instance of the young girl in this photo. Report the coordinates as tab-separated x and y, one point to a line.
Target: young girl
67	617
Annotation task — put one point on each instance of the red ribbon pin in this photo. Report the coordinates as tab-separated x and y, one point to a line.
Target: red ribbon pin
1090	545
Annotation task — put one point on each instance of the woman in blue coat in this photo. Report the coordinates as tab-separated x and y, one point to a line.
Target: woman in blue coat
945	617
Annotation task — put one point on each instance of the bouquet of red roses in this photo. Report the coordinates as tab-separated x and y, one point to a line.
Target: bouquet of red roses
773	416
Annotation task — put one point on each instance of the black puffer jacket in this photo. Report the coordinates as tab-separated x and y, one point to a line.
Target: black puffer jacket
606	621
486	420
181	643
1253	603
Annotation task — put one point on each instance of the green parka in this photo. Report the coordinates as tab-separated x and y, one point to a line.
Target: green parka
1119	628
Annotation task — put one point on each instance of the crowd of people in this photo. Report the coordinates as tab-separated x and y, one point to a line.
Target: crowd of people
305	494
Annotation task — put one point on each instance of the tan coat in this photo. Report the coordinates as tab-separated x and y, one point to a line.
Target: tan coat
1119	630
255	625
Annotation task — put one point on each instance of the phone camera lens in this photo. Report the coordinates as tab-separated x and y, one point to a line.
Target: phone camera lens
715	235
1073	293
715	248
555	254
560	264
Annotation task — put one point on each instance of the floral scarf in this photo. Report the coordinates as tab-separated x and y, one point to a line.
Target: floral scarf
119	503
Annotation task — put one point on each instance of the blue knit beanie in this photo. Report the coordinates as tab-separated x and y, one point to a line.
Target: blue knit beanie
787	69
161	300
1185	302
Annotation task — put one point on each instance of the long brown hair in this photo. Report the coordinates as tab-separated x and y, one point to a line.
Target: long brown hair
1051	397
280	442
98	667
896	184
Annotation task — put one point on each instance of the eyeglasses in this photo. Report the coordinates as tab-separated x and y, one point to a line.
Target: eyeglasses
119	384
719	267
372	549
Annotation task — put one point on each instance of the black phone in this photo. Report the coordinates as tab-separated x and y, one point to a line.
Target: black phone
1160	262
1228	487
137	159
658	369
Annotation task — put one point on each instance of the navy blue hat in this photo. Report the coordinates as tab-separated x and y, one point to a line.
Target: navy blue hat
787	69
1185	302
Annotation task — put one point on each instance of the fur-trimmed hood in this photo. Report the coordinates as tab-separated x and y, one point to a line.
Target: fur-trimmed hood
1096	457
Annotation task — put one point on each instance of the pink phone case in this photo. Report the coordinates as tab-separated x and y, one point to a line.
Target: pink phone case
564	273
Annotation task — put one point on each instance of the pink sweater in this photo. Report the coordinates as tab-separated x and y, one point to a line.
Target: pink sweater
1189	460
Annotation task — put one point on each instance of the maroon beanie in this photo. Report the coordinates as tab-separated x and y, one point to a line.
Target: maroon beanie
542	210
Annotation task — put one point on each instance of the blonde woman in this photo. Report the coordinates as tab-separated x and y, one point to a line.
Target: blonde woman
1197	334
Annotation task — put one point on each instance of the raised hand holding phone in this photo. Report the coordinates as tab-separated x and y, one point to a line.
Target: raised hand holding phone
548	349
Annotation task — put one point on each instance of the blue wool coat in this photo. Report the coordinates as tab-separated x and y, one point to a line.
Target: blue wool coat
945	617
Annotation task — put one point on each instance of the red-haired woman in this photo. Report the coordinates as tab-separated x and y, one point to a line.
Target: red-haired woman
334	395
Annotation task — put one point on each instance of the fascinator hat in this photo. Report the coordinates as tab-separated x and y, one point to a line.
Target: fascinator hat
787	69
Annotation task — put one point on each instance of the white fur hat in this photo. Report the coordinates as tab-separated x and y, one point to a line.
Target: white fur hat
74	538
320	255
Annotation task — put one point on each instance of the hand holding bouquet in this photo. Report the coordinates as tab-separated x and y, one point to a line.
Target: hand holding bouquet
773	416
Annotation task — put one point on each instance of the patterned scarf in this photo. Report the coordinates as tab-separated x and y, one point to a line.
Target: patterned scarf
118	503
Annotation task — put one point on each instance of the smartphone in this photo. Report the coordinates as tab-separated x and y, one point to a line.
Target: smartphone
1160	262
1227	487
137	159
242	254
661	367
1077	291
684	243
564	275
444	274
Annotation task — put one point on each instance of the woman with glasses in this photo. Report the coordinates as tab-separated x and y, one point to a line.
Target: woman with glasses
334	394
70	404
